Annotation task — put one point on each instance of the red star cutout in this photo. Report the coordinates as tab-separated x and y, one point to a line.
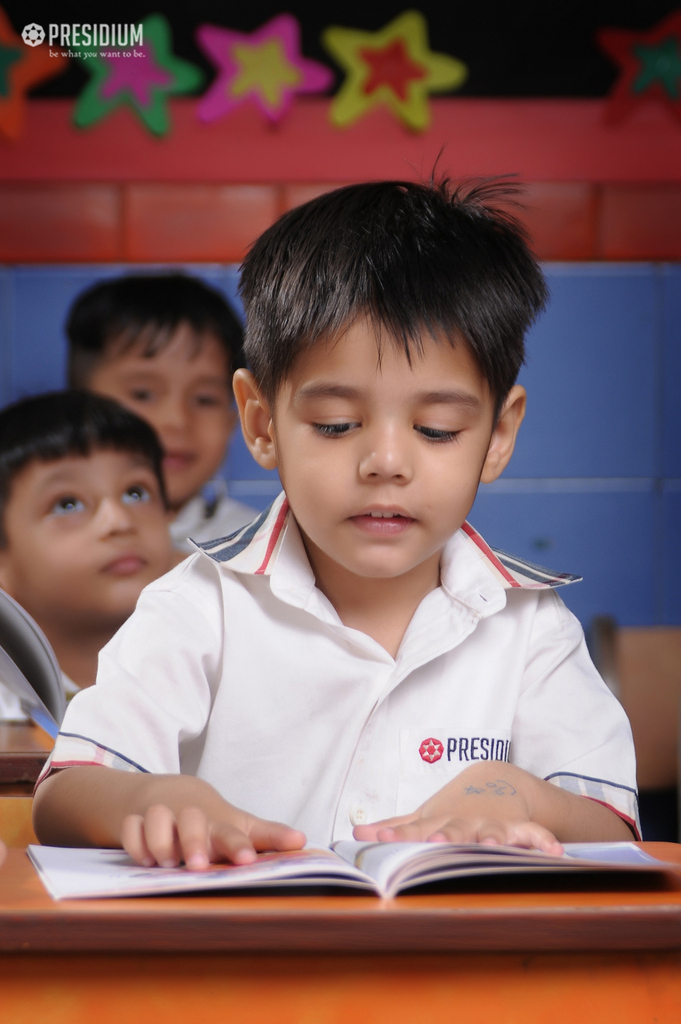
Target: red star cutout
33	66
391	66
640	81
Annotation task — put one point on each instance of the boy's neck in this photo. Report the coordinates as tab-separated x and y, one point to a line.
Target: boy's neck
77	654
380	607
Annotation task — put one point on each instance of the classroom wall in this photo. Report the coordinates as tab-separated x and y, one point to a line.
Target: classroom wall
595	484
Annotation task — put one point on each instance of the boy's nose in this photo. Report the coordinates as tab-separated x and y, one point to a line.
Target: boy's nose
112	516
387	456
171	416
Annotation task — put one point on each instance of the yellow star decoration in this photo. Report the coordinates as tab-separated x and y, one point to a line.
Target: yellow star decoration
264	68
394	66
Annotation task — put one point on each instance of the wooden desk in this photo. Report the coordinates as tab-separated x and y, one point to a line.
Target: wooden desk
508	957
23	752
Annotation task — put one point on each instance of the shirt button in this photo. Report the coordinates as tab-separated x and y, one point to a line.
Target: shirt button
358	815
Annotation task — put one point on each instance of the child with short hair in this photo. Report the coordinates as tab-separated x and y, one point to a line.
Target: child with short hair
83	522
165	346
358	661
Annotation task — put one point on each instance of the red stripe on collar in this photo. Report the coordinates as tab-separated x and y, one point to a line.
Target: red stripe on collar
274	537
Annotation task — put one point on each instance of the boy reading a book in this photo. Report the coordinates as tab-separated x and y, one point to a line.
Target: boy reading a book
357	661
83	522
165	346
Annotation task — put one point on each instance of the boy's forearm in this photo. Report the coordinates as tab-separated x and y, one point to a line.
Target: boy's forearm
85	806
496	788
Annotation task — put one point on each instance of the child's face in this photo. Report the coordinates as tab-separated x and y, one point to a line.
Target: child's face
184	393
381	462
85	535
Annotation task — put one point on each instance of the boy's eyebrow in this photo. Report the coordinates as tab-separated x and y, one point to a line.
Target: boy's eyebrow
449	396
322	390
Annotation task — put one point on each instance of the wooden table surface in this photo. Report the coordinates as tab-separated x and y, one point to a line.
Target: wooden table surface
514	957
629	919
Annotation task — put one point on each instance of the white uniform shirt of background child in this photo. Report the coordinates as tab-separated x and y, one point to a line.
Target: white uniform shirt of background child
237	669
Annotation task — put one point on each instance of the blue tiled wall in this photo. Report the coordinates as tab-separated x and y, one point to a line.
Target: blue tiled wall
595	484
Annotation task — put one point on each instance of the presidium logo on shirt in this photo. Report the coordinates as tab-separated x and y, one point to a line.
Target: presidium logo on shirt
465	748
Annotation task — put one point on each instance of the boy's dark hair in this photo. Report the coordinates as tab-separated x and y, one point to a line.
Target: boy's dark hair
62	423
412	258
147	308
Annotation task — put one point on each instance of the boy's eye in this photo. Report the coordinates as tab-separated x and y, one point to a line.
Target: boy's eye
136	494
67	506
333	429
208	400
141	394
438	436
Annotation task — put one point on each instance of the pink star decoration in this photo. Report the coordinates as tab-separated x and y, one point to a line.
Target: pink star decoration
136	75
264	67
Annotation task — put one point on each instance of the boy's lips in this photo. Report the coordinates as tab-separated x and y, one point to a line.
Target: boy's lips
383	522
177	460
125	565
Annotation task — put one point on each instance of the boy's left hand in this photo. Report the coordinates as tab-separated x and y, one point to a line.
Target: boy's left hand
489	803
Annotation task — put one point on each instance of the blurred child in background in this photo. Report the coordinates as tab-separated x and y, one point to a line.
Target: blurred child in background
83	522
166	346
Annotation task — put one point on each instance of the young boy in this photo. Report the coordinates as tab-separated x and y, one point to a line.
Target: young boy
83	521
165	346
357	661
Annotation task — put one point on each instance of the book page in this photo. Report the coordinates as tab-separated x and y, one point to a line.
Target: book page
69	873
395	866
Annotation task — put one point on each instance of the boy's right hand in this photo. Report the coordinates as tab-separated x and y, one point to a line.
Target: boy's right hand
161	836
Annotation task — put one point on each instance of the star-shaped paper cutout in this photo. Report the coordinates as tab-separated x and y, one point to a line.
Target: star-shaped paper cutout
143	80
650	64
264	67
21	67
394	67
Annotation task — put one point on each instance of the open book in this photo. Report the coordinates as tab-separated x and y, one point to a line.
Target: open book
28	667
381	868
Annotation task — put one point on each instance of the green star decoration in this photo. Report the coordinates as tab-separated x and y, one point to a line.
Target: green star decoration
141	77
661	64
8	55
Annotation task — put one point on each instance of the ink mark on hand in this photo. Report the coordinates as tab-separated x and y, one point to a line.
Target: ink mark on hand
501	788
473	789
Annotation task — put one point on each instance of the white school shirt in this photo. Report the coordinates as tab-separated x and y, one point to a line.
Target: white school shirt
203	518
237	669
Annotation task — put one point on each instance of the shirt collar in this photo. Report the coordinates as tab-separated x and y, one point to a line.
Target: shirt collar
254	550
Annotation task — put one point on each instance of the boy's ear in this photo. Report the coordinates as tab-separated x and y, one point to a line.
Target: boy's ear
504	434
5	581
256	419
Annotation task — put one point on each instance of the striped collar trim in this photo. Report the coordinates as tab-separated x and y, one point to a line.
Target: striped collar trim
254	548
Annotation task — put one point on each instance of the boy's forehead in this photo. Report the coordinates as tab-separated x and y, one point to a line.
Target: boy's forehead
44	473
158	343
362	357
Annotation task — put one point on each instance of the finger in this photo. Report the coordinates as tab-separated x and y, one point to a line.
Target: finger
134	842
192	832
531	835
272	835
417	831
229	843
160	832
370	832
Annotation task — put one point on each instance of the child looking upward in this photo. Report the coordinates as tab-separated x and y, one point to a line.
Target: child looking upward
83	520
165	346
357	661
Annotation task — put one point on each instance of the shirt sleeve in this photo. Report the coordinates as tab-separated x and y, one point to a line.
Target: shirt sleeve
155	684
569	729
